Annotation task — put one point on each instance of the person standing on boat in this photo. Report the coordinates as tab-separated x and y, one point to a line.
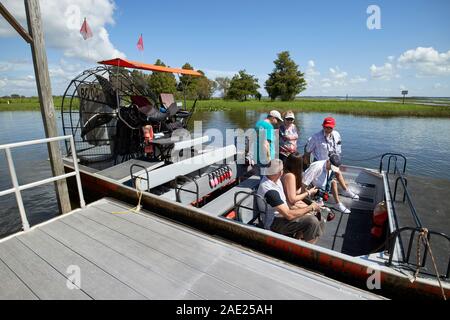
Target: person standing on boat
301	223
324	144
266	138
288	136
320	175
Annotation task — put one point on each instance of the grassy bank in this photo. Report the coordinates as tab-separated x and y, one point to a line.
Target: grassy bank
381	109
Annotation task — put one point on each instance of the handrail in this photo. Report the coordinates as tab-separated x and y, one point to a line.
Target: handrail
396	234
179	188
238	205
17	189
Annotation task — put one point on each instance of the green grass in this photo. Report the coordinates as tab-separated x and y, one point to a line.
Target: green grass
381	109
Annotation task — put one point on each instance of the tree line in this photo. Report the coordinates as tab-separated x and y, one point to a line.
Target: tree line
285	82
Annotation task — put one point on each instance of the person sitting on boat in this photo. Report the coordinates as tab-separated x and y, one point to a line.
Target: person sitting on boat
301	223
265	135
320	175
288	136
292	181
324	144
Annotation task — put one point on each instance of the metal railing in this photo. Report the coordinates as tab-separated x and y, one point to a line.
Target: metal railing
17	189
395	236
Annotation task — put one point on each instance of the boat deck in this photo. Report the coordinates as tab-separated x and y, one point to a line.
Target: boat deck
125	255
350	233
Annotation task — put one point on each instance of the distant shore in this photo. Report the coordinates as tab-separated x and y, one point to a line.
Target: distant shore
352	106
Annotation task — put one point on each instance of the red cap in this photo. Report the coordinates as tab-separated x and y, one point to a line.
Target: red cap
329	122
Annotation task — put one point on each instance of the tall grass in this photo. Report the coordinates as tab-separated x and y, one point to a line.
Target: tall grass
381	109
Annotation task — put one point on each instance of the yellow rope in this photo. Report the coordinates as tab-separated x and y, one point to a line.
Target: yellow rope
139	193
423	236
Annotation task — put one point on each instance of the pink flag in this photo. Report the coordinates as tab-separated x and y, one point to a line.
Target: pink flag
85	30
140	44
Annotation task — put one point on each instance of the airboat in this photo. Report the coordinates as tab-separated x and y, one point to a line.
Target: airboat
133	145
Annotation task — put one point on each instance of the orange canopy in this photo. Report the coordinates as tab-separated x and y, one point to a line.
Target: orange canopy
150	67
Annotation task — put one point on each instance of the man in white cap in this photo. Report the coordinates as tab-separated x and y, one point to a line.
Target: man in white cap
301	223
319	174
266	138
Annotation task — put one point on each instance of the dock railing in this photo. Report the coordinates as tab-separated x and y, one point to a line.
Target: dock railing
17	189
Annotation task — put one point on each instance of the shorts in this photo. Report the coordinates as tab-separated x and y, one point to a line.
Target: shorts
309	225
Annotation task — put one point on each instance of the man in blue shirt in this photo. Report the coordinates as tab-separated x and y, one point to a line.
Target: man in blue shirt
266	138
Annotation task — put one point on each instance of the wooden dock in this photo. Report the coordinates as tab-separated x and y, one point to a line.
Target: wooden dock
125	255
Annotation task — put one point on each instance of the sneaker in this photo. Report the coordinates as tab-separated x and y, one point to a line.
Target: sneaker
343	208
350	194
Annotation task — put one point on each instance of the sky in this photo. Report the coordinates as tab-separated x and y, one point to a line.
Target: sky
354	47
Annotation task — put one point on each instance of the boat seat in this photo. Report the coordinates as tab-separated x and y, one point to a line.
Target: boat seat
168	173
225	203
121	172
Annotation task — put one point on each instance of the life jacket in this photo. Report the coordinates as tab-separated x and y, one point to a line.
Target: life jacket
380	217
148	137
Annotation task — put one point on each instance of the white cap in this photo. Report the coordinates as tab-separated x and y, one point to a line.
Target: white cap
289	115
275	167
276	114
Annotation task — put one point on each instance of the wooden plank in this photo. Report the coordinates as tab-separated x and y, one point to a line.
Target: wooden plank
141	279
231	265
15	24
12	288
37	274
44	89
165	264
94	281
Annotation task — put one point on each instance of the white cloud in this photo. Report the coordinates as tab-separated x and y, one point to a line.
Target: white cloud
337	74
427	61
62	20
386	72
311	74
357	79
212	74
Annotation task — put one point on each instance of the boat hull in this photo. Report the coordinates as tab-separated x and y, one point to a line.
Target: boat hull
352	270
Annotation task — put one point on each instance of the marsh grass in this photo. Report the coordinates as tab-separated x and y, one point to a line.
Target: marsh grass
355	107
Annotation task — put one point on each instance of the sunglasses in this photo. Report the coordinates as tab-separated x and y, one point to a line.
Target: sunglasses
329	128
289	119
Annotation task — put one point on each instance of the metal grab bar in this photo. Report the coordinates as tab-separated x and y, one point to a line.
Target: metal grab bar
17	189
396	235
179	188
134	178
395	157
238	205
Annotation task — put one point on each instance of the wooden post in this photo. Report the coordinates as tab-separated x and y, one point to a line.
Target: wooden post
38	50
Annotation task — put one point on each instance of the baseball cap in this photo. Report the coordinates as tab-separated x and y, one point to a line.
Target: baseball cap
289	115
329	122
336	162
276	114
275	166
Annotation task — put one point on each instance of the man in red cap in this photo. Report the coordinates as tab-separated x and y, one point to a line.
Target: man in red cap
324	144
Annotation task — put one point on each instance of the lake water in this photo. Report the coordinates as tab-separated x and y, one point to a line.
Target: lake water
424	141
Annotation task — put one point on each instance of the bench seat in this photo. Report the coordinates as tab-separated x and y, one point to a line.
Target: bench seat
225	202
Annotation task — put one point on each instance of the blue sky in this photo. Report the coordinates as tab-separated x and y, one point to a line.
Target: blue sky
329	40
